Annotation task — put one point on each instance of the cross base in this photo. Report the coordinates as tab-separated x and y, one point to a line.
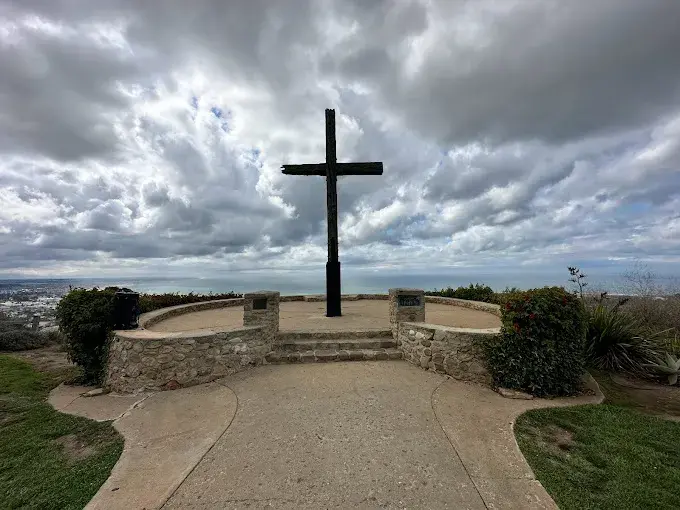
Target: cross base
333	289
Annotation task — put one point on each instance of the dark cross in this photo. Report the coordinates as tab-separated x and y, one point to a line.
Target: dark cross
331	169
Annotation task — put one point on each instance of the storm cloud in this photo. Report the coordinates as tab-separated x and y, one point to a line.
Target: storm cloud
512	133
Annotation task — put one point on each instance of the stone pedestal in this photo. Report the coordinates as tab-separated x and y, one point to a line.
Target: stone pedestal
406	305
261	308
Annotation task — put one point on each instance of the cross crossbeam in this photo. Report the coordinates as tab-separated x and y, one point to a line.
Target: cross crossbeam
372	168
331	169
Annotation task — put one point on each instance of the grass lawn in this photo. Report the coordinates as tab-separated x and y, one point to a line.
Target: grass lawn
48	459
603	456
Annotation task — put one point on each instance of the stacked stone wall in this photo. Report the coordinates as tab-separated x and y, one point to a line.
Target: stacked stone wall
149	319
142	359
465	303
457	352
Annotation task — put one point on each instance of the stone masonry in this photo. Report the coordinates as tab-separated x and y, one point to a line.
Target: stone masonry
149	319
406	305
141	359
464	303
255	315
453	351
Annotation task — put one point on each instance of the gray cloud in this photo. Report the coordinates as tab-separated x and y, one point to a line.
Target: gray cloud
510	132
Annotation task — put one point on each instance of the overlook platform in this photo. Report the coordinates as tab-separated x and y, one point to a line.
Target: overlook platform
365	314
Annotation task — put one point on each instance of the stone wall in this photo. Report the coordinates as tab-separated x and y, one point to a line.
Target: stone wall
317	298
141	359
453	351
413	312
267	317
151	318
474	305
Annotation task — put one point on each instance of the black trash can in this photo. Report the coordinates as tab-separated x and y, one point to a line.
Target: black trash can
125	309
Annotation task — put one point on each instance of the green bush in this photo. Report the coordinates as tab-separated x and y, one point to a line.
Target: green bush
614	342
541	346
502	297
22	340
85	318
476	292
150	302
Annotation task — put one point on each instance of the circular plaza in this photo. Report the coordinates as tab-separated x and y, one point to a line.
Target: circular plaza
361	314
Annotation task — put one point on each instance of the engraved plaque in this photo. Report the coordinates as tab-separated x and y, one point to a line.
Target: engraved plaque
408	300
260	303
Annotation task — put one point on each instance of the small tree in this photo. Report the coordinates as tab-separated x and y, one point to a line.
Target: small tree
85	317
578	278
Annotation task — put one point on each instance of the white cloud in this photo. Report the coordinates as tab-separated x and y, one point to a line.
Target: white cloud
512	133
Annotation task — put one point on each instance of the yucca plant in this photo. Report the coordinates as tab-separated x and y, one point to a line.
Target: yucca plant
668	366
613	341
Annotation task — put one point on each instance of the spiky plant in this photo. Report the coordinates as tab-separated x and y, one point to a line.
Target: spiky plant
613	341
668	366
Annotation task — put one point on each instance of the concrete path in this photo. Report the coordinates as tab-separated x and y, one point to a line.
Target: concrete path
479	422
341	435
166	435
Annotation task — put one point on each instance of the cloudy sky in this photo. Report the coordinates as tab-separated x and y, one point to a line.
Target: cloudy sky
146	138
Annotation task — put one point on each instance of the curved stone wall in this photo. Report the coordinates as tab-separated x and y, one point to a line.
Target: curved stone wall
142	359
151	318
464	303
457	352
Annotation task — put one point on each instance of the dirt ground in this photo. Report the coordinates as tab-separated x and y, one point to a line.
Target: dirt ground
364	314
646	396
51	359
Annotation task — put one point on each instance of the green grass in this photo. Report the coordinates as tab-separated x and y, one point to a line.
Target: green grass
603	456
36	469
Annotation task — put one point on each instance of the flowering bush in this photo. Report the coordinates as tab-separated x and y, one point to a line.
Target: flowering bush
541	349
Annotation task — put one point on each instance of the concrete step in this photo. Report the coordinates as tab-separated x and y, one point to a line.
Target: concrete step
342	344
289	336
326	355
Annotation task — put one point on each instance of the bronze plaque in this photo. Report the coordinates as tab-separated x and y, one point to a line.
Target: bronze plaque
260	303
408	300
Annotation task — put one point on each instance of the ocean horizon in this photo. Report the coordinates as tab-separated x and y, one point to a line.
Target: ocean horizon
310	283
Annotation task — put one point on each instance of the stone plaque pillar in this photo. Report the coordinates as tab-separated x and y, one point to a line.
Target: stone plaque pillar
261	308
406	305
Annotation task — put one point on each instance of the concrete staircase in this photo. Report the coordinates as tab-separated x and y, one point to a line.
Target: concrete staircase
325	346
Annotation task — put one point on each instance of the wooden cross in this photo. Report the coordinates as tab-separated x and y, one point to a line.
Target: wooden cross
331	169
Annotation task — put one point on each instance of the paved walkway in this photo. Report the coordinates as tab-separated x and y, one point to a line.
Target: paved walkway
342	435
364	314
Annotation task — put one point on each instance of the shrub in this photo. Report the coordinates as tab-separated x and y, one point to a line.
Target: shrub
85	318
613	341
541	345
22	340
502	297
656	305
7	324
476	292
150	302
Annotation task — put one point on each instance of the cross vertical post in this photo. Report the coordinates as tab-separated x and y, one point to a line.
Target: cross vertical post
333	290
331	169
